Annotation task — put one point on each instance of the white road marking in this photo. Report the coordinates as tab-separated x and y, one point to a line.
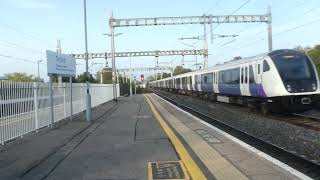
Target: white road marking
282	165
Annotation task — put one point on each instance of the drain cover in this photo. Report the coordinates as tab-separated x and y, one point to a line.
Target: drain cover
167	170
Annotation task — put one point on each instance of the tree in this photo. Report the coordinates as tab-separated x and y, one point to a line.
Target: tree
82	78
20	77
237	57
180	70
313	53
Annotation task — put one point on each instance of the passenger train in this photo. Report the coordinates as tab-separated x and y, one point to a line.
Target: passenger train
282	79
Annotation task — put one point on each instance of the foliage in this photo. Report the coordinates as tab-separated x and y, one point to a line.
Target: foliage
237	57
313	53
82	78
177	70
20	77
180	70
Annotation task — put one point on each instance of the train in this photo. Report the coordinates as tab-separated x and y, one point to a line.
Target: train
283	79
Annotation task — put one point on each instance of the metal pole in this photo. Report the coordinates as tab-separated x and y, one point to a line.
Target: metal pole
71	99
113	61
51	102
117	75
157	67
88	96
38	70
270	30
130	73
172	68
196	62
36	108
205	55
101	76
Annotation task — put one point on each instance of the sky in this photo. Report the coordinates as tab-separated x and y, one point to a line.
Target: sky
30	27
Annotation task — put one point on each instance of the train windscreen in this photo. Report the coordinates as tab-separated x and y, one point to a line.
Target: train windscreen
294	66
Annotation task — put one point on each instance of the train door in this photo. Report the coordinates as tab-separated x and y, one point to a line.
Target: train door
199	82
193	83
215	82
188	83
259	72
244	81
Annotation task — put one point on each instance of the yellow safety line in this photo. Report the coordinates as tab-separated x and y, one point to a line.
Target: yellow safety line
192	167
149	171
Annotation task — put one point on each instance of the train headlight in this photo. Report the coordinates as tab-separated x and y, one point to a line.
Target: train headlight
288	88
314	86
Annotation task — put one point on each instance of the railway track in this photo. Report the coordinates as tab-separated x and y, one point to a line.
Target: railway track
301	163
312	114
299	120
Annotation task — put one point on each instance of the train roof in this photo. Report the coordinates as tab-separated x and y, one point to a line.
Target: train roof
233	62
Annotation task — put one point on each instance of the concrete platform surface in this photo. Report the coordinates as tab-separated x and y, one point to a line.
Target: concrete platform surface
118	145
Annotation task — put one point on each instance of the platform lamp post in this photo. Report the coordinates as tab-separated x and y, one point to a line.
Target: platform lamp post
114	72
130	73
38	62
88	96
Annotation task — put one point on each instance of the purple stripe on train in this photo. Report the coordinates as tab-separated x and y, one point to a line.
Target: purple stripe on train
207	87
260	91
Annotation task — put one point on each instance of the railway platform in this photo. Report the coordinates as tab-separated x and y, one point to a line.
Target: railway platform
139	137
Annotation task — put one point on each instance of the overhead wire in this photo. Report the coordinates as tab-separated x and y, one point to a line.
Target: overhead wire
289	21
236	10
19	46
27	35
279	33
17	58
16	45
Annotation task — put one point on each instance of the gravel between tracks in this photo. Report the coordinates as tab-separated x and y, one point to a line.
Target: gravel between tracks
302	141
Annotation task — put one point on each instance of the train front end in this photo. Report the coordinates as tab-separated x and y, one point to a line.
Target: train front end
299	77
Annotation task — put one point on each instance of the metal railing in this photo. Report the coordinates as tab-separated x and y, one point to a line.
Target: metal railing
26	107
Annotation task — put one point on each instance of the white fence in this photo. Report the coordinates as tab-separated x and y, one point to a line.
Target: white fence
26	107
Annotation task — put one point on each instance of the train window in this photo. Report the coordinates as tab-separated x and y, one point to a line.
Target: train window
178	81
258	68
246	75
235	76
184	80
207	78
242	75
251	75
231	76
214	77
227	77
221	77
217	77
266	66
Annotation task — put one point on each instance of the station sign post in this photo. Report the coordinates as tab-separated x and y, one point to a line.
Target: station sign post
61	65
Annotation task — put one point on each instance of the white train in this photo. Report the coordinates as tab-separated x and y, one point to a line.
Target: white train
280	79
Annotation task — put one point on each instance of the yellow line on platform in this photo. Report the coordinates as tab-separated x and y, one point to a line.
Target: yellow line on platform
191	166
